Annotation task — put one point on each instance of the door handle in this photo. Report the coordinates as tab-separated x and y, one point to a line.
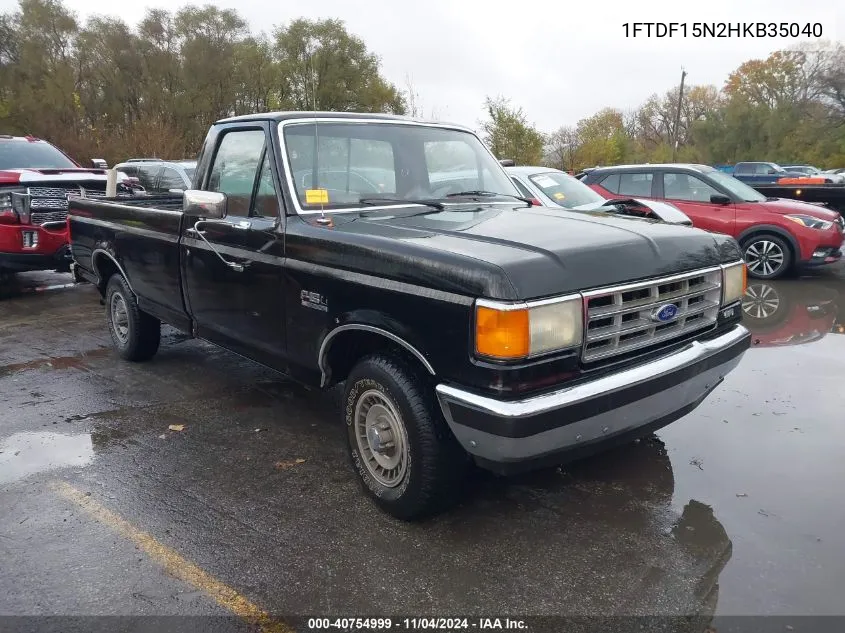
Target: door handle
238	268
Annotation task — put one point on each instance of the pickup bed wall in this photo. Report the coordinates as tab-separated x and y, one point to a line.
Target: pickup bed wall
145	244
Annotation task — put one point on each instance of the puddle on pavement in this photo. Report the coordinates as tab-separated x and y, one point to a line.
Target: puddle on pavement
793	312
24	454
55	362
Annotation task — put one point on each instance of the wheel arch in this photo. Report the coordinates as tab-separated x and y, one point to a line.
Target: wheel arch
105	265
344	345
771	229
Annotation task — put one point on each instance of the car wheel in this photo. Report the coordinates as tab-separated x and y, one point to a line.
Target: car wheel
767	256
404	453
134	333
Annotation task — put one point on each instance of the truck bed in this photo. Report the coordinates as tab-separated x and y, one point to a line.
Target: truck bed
832	195
139	236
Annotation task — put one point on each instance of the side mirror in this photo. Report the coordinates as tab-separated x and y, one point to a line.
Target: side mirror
99	163
718	198
771	171
205	204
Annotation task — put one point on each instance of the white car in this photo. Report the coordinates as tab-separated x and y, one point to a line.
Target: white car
554	188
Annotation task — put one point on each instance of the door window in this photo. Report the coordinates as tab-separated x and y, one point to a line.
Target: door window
147	176
170	179
266	203
610	183
687	187
635	184
235	167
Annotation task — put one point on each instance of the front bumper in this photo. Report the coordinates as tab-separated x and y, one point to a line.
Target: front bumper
551	428
23	262
824	255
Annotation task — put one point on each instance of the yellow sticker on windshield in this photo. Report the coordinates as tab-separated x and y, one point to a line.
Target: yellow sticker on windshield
316	196
559	196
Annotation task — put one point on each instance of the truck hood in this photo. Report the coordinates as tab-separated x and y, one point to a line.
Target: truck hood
784	206
545	252
28	176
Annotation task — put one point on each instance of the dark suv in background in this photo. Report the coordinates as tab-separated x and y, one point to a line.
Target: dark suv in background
160	176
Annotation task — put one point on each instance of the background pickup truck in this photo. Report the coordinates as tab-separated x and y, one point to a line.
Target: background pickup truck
35	180
397	257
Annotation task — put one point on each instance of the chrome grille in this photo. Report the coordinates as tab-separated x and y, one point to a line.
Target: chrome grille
624	318
53	192
49	204
43	218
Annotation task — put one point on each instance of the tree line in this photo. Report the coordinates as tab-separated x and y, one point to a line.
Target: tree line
108	89
104	88
788	108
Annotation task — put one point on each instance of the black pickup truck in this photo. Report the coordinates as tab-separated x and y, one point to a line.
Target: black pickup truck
396	256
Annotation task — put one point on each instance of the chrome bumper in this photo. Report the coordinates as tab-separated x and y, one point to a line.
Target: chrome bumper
639	399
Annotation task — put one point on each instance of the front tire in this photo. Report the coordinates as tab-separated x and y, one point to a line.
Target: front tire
767	256
406	458
134	333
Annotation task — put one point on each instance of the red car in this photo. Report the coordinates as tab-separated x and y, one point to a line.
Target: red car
776	234
35	180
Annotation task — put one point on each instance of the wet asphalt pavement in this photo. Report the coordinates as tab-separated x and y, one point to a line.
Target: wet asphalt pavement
735	509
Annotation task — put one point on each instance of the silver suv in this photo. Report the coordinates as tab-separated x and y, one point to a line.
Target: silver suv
160	176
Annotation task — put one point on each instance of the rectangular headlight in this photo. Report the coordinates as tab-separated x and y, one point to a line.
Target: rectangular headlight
514	331
734	280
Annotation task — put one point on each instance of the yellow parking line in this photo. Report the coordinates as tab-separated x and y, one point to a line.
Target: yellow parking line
175	564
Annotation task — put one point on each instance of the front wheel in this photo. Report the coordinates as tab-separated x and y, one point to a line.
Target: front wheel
135	333
767	256
406	457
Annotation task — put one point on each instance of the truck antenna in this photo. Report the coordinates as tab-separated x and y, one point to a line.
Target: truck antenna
323	220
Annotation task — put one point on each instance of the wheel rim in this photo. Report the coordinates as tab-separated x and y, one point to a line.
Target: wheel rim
381	437
761	301
764	257
119	318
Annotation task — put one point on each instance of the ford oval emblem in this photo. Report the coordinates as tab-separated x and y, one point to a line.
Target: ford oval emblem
665	313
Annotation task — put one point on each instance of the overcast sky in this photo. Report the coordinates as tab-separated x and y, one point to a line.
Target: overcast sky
558	60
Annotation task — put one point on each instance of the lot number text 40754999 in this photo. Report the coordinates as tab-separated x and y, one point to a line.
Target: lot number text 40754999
722	29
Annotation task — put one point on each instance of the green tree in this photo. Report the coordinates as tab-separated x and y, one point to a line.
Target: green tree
509	135
325	67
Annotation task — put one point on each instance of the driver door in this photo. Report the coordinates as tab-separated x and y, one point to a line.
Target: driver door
233	266
692	196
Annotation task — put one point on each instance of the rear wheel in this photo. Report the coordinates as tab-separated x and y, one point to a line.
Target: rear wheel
400	446
134	333
767	256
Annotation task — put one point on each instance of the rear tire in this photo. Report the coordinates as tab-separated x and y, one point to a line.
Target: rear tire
767	256
134	333
406	457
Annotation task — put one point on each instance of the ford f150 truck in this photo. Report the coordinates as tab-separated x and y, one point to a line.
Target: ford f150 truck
465	324
35	179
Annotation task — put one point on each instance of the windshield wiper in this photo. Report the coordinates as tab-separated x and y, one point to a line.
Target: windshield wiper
487	194
428	203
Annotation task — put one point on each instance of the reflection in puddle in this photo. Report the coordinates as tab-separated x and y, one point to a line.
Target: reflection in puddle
24	454
789	312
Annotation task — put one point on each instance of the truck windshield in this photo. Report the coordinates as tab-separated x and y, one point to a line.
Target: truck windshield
32	155
337	165
736	187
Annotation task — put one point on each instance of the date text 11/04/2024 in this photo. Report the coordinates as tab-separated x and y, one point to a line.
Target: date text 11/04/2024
416	624
722	29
